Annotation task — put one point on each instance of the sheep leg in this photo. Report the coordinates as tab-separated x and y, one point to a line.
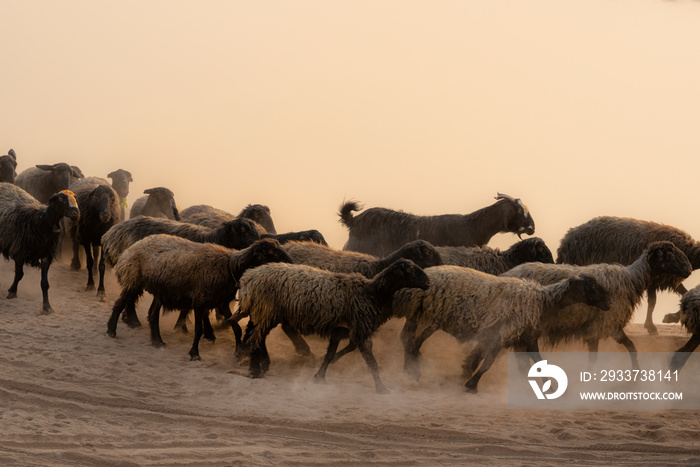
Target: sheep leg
366	350
336	335
19	274
101	268
181	324
683	354
648	323
344	351
129	316
490	355
89	263
622	338
198	325
154	323
300	344
119	305
125	300
675	317
592	352
412	344
46	306
471	363
258	350
75	262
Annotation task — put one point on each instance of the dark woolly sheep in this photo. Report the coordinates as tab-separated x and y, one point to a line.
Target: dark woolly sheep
660	262
43	181
158	202
184	275
621	240
209	216
120	182
690	318
420	252
8	166
99	206
493	261
332	305
238	234
30	231
379	231
301	236
473	305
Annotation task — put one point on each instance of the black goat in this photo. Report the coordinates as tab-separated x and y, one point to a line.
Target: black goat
379	231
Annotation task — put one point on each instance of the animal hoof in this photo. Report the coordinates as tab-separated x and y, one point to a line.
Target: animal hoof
651	329
211	339
89	287
12	295
111	333
470	388
75	265
158	345
133	323
382	390
319	379
194	358
46	310
101	295
671	318
255	374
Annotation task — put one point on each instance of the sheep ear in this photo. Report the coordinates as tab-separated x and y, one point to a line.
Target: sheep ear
12	154
150	191
44	167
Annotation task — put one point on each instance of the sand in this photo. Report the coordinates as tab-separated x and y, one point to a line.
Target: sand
71	395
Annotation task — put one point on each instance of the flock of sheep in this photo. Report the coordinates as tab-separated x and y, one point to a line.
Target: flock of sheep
436	272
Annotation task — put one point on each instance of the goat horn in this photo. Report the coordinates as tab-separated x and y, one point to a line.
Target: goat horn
504	196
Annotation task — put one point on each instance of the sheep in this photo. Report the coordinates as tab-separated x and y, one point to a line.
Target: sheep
99	205
494	261
30	231
323	257
332	305
209	216
184	275
621	240
660	262
420	252
379	231
8	166
301	236
158	202
42	181
690	318
120	182
238	234
473	305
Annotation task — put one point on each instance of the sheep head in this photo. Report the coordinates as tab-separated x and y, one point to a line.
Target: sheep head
62	204
238	234
667	264
260	214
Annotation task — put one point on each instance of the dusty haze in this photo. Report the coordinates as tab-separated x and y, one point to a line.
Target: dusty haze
580	108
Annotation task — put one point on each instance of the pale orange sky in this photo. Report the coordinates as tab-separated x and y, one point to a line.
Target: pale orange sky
580	108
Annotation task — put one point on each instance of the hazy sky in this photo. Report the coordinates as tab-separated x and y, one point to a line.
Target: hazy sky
580	108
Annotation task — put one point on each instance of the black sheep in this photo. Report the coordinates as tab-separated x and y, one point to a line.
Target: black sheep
99	205
30	232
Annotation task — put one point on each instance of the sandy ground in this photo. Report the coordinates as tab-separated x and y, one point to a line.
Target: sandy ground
71	395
